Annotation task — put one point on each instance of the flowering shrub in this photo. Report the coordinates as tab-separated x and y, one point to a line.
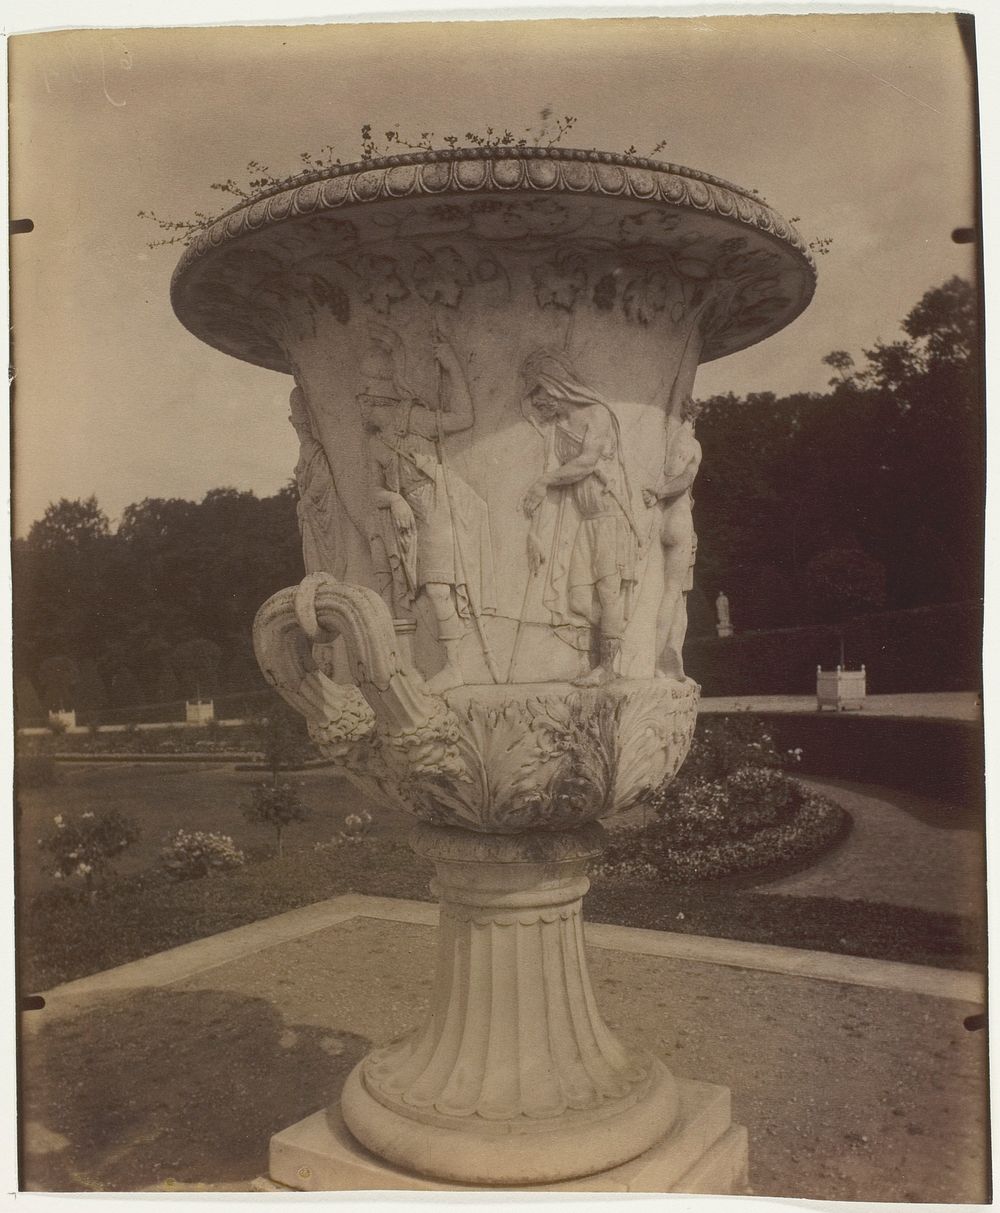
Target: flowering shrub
356	826
328	844
760	796
190	856
698	813
277	805
86	845
751	798
816	826
706	842
723	744
620	869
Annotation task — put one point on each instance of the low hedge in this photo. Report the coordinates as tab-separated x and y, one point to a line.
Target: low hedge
937	758
205	739
35	771
935	648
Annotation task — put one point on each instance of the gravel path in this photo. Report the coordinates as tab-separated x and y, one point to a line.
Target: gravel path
849	1092
901	850
937	705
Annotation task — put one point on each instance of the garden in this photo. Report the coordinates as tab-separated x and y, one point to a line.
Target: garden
118	861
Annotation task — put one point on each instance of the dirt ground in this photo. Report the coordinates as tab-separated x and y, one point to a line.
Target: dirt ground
849	1092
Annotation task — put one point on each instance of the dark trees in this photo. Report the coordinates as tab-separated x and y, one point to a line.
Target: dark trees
160	608
888	465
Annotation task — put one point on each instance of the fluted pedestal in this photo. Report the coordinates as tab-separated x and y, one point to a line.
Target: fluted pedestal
514	1078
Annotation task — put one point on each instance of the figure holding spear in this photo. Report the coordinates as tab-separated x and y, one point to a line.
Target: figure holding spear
430	530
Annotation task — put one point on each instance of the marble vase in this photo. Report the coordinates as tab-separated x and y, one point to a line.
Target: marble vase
493	353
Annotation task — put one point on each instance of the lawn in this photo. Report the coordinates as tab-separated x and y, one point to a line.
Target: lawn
165	797
65	936
62	936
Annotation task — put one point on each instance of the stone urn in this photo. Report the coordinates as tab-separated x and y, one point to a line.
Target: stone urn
493	353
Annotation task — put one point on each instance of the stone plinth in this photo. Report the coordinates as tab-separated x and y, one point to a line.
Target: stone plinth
704	1153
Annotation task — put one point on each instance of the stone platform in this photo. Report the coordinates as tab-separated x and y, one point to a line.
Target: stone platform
705	1153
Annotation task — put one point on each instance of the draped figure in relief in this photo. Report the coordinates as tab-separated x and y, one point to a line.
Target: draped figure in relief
319	510
591	563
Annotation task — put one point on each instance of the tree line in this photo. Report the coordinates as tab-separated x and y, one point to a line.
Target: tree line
808	507
156	610
870	496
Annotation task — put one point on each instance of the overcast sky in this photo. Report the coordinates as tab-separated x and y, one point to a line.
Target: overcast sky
858	126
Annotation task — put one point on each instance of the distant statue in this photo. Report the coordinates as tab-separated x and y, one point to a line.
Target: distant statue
672	493
591	565
319	510
723	627
430	531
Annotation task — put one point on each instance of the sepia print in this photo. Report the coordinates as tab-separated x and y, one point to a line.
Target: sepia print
469	476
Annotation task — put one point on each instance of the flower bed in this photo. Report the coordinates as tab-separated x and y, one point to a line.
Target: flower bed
731	812
235	739
651	854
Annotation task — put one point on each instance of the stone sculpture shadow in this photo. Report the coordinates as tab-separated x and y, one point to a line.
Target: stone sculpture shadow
169	1084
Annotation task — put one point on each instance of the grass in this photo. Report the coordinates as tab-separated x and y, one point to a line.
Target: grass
828	924
166	797
65	936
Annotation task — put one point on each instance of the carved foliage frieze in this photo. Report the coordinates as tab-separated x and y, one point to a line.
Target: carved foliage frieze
529	756
544	759
655	274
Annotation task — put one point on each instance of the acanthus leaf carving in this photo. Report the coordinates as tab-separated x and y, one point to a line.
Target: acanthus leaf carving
524	756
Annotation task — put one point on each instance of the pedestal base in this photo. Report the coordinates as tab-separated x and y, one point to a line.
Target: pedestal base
704	1153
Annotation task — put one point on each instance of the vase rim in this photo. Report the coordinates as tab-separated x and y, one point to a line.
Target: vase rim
446	155
460	176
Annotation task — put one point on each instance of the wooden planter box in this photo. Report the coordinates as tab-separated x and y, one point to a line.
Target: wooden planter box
199	713
840	689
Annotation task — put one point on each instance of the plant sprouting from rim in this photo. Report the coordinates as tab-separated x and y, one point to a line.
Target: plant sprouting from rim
549	131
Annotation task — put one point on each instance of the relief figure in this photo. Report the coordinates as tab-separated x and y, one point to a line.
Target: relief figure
591	564
672	494
319	510
430	532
